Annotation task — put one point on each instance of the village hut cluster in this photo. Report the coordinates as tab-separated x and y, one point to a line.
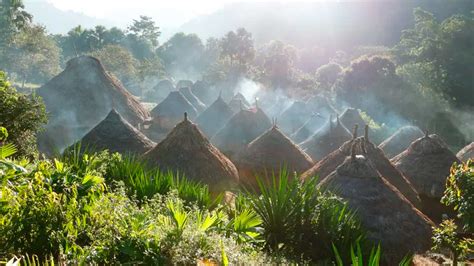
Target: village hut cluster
227	142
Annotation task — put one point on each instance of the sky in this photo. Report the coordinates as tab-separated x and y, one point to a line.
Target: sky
169	13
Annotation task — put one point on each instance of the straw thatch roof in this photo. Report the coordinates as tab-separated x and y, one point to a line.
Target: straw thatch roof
327	139
173	107
188	94
320	104
183	84
268	154
351	117
239	96
308	128
79	98
203	91
187	151
466	153
427	163
293	117
387	216
214	117
161	90
238	102
382	164
116	135
400	140
240	130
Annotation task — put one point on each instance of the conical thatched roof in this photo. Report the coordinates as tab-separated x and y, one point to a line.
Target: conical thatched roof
203	91
80	97
400	140
238	102
327	139
308	128
320	104
292	118
183	84
351	117
382	164
173	107
239	96
466	153
214	117
427	163
386	215
116	135
187	93
161	90
240	130
268	154
187	151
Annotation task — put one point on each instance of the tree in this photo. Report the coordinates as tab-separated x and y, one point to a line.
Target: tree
446	50
145	29
119	61
238	47
182	52
22	115
277	60
327	75
13	18
33	55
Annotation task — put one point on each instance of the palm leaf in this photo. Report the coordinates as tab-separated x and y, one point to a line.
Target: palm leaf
7	150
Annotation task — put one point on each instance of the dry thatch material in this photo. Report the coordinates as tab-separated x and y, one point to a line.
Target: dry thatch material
240	130
116	135
400	140
321	105
187	151
308	128
162	89
170	110
183	84
351	117
238	102
466	153
268	154
426	163
327	139
79	98
214	117
382	164
386	215
294	117
188	94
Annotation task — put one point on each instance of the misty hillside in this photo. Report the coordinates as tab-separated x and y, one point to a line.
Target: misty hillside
306	24
59	21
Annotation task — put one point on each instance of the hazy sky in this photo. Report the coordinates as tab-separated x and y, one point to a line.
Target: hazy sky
170	13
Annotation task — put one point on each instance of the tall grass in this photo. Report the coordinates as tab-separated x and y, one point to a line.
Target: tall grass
301	221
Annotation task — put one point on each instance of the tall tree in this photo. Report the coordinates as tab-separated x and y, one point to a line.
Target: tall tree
13	18
182	52
145	29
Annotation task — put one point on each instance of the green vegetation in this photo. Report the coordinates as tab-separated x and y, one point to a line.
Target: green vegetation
22	115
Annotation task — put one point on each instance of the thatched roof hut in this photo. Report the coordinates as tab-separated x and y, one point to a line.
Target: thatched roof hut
387	216
214	117
240	130
183	84
308	128
327	139
293	117
189	95
187	151
203	91
238	102
466	153
116	135
268	154
171	110
400	140
79	98
382	164
320	104
161	90
351	117
427	163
